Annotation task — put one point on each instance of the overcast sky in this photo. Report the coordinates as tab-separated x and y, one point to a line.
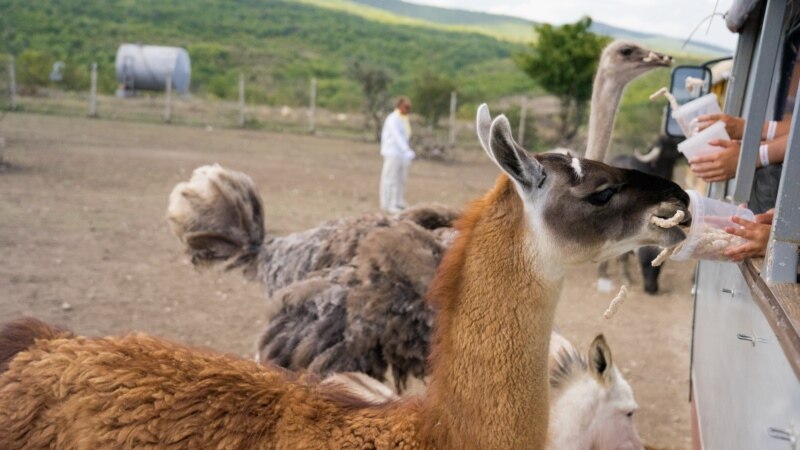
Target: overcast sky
674	18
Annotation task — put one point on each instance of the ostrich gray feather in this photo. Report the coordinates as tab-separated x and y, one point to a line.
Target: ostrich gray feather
344	296
368	316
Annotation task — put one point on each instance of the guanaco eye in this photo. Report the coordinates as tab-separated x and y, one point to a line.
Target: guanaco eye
630	413
626	51
602	197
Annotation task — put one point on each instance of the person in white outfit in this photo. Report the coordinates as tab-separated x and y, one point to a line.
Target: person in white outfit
397	155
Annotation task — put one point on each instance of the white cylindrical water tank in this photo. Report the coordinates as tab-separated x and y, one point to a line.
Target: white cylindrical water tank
146	67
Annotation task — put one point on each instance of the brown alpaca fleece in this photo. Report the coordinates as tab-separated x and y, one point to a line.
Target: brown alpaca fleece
20	335
142	392
488	388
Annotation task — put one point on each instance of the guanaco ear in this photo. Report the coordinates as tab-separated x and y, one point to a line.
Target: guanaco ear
600	359
513	159
483	125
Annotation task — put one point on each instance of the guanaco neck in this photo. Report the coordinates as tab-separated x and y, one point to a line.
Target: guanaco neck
489	384
606	96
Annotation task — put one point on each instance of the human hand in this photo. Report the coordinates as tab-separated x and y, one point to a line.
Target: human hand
718	166
734	126
755	234
766	217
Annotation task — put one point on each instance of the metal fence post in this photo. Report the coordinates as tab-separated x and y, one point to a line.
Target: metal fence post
312	107
93	92
523	109
12	82
241	99
168	104
451	137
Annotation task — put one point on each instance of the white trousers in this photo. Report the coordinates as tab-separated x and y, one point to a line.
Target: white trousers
393	182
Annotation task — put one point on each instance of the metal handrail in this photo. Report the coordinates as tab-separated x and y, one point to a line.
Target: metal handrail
755	102
781	256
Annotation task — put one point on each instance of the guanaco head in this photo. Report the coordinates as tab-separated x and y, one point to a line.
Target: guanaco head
579	210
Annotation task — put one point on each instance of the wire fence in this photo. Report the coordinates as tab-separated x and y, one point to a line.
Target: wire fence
157	107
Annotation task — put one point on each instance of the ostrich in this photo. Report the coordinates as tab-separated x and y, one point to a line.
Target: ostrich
620	63
591	403
659	161
609	84
345	296
219	216
495	292
348	295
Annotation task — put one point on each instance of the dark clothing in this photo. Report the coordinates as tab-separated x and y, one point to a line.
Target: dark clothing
765	188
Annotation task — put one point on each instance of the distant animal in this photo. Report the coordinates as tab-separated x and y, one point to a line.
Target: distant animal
591	403
495	293
659	161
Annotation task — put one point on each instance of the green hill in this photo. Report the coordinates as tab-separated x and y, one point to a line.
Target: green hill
503	27
279	45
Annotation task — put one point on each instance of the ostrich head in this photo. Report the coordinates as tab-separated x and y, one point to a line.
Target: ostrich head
625	60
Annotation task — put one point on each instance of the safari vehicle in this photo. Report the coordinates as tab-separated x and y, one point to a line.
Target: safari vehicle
745	372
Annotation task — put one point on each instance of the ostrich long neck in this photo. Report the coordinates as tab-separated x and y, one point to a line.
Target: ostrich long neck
489	386
606	95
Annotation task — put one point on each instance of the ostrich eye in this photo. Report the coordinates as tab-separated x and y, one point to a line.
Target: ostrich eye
630	413
602	197
626	51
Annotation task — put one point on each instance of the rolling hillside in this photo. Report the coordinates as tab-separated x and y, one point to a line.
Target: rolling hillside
279	45
503	27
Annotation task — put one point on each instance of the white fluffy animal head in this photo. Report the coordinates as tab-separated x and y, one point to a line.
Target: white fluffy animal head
592	405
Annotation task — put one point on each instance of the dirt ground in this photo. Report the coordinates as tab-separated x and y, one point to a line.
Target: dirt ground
85	243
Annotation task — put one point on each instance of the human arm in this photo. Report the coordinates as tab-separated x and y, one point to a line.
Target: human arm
756	235
775	151
774	130
721	166
734	126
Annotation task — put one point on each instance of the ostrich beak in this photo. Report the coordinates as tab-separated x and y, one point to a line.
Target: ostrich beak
658	58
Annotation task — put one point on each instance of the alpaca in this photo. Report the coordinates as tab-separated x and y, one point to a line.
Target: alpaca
495	292
591	403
